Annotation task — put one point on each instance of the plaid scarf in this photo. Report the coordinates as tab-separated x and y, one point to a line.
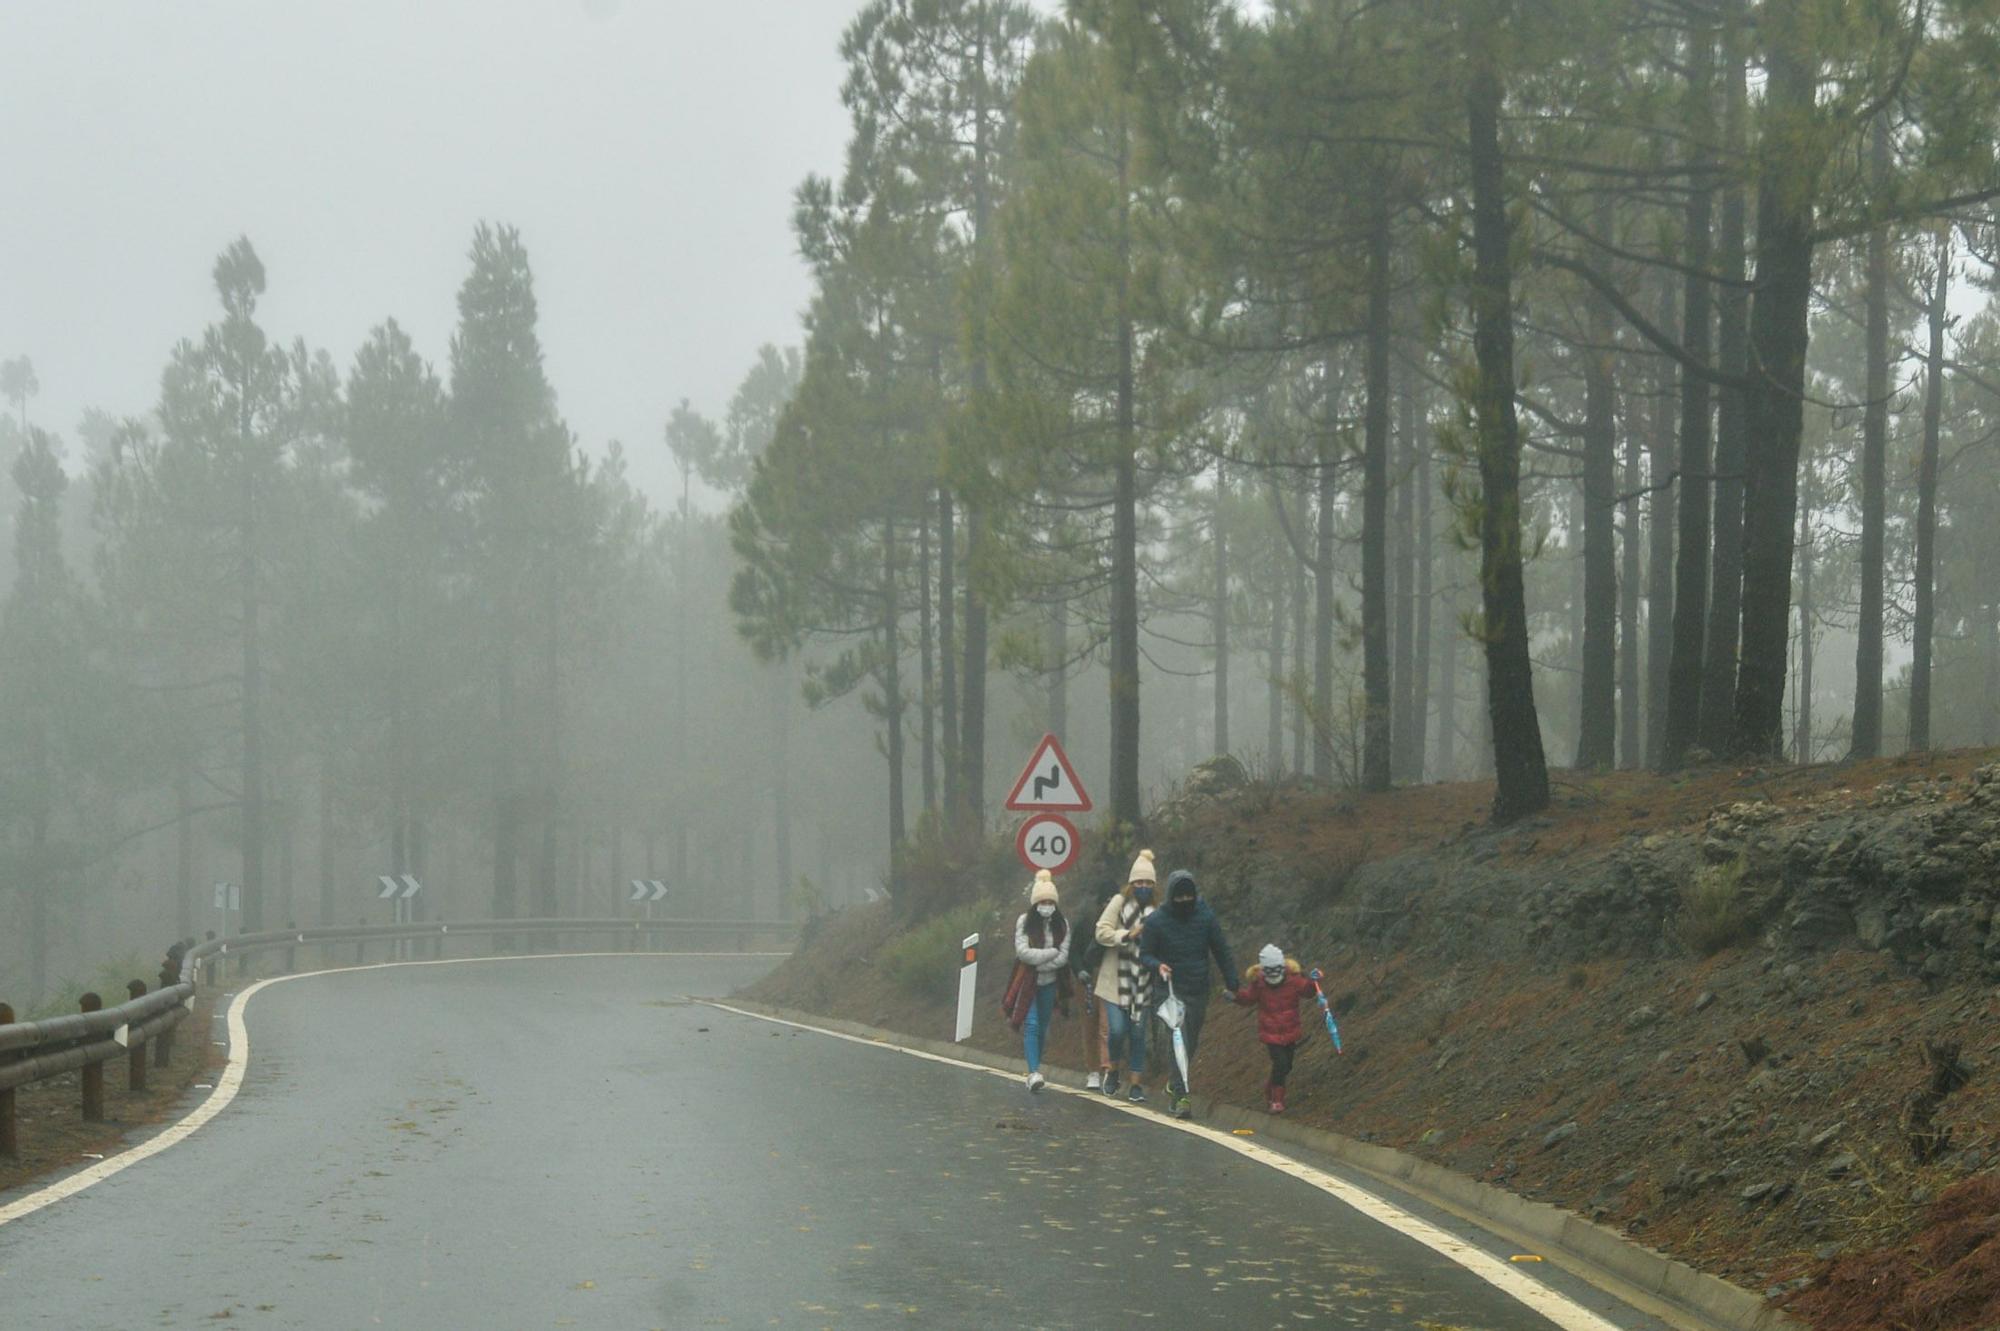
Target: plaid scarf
1135	982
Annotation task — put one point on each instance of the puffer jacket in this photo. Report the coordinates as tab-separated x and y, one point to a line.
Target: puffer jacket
1277	1004
1034	947
1186	944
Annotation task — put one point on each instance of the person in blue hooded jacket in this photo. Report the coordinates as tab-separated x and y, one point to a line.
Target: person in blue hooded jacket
1177	943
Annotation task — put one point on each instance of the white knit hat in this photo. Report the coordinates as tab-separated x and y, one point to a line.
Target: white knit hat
1142	870
1044	889
1271	957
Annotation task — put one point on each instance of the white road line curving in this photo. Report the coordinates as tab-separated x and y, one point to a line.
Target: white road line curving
1509	1279
231	1080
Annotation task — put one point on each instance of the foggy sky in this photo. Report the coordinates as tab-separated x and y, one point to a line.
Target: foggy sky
647	149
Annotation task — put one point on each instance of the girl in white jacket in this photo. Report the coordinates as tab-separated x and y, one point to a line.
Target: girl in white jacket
1041	944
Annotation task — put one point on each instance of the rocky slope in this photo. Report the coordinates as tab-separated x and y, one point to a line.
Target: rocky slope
1748	1016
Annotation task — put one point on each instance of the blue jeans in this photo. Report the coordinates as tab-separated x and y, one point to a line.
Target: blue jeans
1127	1031
1036	1028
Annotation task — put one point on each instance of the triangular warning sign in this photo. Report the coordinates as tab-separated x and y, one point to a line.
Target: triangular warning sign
1049	783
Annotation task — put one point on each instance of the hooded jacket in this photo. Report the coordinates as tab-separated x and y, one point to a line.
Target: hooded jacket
1186	945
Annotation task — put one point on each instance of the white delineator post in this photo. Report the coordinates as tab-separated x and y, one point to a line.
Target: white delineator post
968	981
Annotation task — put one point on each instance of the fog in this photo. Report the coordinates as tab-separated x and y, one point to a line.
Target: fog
646	150
529	446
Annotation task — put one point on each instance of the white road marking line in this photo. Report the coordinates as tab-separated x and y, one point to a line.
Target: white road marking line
231	1080
1510	1280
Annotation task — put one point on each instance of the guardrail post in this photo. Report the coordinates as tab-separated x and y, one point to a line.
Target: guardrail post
93	1073
10	1145
170	975
135	1055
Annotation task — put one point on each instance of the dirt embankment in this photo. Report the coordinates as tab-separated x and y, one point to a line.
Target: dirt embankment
53	1135
1750	1017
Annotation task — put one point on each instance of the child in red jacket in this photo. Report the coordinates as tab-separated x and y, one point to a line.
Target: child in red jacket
1276	987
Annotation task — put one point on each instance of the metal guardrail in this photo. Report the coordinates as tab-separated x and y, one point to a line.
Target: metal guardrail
32	1051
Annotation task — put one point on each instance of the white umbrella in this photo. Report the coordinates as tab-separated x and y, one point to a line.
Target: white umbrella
1173	1012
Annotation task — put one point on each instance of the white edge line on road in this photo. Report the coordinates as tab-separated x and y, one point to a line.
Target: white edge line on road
1509	1279
231	1080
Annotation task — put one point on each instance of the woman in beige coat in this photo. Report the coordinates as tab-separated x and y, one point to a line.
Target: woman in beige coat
1124	988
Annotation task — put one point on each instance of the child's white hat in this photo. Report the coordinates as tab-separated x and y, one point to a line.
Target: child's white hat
1271	957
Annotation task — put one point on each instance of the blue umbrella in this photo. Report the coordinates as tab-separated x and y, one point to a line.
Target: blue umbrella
1326	1010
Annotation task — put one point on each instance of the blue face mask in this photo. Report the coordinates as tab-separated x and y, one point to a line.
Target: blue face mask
1143	895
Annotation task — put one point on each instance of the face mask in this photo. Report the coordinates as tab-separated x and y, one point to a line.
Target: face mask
1183	907
1045	910
1143	895
1274	975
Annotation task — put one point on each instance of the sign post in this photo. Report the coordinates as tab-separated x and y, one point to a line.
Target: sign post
228	897
1046	841
401	892
1048	784
968	981
648	890
1046	790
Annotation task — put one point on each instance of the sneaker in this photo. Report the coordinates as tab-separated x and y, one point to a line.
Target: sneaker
1111	1082
1036	1081
1182	1109
1275	1107
1137	1095
1094	1082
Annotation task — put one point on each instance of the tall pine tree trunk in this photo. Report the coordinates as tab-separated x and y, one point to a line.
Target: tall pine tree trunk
1597	726
1989	725
1418	731
1219	605
1631	731
1718	680
1327	479
1660	468
1802	743
1781	304
252	720
1874	470
972	711
892	701
1925	627
40	865
1447	754
926	665
183	843
1521	773
1125	534
1055	652
1297	686
1377	723
1274	684
1684	665
506	853
947	649
781	793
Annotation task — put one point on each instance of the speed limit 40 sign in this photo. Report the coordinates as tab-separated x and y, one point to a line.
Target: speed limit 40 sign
1047	841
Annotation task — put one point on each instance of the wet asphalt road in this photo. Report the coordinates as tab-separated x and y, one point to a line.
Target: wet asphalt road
564	1142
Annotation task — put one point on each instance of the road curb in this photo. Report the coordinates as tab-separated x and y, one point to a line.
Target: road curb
1599	1255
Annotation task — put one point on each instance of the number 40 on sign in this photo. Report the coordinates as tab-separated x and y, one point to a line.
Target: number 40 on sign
1047	841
